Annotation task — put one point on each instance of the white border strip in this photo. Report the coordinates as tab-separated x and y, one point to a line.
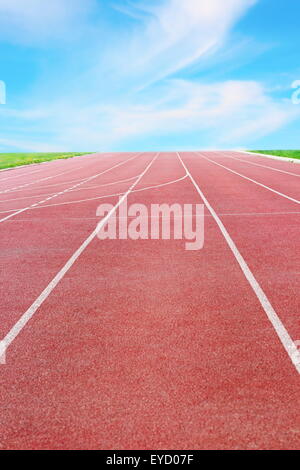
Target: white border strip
22	322
278	326
274	157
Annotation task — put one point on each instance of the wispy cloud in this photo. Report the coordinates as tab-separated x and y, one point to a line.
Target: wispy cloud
173	34
131	87
30	146
229	113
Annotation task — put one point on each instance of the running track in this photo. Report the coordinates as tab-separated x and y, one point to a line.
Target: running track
142	344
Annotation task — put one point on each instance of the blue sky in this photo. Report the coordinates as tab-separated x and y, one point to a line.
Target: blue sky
118	75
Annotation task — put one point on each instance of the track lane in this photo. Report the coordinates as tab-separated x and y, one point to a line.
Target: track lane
35	243
283	186
26	317
54	169
61	173
283	165
276	322
171	350
267	242
65	190
237	157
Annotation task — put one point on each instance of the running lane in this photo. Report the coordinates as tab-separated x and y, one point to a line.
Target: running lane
21	177
35	244
264	225
60	180
284	183
144	345
283	165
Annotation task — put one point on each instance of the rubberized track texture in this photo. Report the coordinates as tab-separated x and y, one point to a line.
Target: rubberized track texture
141	344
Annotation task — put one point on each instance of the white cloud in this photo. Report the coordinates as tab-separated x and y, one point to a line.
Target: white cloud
129	94
223	114
177	33
30	146
229	112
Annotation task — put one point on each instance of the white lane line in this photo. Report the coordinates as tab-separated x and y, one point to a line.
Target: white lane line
102	197
263	166
17	188
71	191
21	188
205	215
54	161
242	214
49	162
48	185
249	179
278	326
37	181
22	174
22	322
32	206
113	183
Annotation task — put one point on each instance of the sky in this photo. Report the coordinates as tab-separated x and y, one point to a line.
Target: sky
141	75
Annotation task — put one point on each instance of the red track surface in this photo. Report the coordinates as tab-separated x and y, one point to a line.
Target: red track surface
143	345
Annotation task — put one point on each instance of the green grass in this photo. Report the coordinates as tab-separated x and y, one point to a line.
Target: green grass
8	160
280	153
